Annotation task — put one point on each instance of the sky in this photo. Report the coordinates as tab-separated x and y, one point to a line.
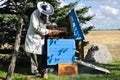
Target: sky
107	13
2	3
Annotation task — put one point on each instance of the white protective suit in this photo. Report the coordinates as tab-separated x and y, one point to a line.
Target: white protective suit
35	38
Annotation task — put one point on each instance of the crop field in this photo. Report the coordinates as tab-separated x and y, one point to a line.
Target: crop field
110	38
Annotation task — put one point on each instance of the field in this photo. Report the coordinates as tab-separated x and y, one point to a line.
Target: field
111	39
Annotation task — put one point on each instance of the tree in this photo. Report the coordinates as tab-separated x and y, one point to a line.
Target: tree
84	19
18	35
22	9
62	19
18	7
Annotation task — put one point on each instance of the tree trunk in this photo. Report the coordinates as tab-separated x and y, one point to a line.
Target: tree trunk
16	49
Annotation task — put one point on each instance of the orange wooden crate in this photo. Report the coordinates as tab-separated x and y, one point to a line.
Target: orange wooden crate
67	69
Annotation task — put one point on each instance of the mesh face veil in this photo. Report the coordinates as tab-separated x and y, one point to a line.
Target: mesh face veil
48	21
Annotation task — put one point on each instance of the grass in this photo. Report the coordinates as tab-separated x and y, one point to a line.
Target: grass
109	38
85	73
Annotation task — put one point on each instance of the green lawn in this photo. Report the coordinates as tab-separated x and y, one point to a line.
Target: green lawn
85	73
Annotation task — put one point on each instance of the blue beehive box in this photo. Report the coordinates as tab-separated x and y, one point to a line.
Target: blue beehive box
63	50
60	51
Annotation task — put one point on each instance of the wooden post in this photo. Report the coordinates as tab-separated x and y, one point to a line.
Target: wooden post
80	49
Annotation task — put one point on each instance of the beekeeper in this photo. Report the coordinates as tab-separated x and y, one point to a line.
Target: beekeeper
35	37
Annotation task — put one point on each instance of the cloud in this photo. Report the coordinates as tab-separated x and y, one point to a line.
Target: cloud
80	5
107	13
63	3
109	10
2	3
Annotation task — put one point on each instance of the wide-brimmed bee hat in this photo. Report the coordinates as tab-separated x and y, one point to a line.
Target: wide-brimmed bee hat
45	8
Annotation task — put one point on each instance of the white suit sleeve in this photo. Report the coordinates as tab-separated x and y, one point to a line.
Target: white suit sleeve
36	25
